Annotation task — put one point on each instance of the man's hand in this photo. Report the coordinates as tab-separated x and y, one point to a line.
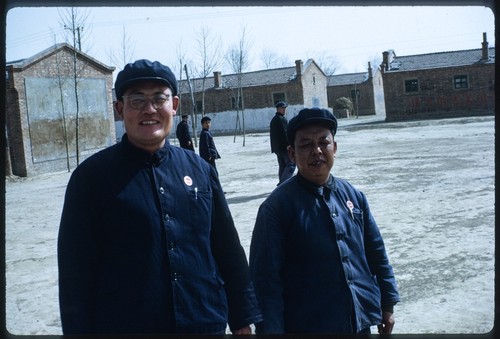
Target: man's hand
387	323
244	330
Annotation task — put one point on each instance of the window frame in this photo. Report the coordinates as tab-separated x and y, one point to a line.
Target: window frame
412	85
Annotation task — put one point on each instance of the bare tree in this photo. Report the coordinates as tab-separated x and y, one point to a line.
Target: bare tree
270	59
62	73
328	63
125	54
239	60
376	60
75	21
210	58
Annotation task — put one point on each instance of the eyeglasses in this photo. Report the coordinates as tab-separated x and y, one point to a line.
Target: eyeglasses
139	101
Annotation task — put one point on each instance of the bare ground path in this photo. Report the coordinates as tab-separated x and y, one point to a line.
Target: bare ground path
430	184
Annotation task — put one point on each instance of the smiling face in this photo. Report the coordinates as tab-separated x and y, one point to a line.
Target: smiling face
148	127
313	152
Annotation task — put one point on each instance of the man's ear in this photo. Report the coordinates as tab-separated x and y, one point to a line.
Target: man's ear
291	153
119	108
175	103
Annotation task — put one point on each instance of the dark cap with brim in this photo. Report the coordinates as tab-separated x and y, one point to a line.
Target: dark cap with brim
309	116
144	70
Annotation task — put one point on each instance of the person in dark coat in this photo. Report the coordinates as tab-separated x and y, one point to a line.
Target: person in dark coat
183	135
208	151
279	142
317	257
147	244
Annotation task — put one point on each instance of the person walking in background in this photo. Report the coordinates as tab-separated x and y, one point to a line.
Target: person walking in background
317	257
279	142
208	151
147	243
182	133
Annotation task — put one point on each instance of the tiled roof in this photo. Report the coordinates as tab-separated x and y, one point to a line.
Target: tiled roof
347	79
249	79
440	60
22	63
257	78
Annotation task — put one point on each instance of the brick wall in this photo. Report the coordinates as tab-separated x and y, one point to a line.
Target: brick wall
437	97
34	114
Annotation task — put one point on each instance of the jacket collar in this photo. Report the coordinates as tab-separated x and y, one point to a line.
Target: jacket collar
317	189
143	156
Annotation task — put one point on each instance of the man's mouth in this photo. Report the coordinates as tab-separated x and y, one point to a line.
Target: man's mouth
317	162
149	122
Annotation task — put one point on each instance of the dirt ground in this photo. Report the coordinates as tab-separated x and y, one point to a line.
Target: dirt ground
431	188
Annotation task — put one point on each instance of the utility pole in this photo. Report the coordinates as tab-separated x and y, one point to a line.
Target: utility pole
356	95
193	103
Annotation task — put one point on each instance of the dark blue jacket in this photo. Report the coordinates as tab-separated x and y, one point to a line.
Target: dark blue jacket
182	133
317	267
278	134
147	244
207	146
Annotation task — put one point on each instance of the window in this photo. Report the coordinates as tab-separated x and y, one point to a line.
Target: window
354	94
233	103
460	81
411	86
277	97
199	106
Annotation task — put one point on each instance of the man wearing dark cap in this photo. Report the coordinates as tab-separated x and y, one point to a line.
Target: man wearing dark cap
208	151
317	257
182	133
147	244
279	142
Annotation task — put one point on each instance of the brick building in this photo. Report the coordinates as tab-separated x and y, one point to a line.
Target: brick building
301	86
364	89
439	85
41	110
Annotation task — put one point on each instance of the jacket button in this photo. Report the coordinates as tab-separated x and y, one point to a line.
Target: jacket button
167	217
162	190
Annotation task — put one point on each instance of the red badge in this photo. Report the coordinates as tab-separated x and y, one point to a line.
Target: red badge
188	181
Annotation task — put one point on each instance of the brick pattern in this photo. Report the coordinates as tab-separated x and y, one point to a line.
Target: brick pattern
437	97
49	65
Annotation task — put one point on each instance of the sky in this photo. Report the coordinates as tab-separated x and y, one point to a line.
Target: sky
345	37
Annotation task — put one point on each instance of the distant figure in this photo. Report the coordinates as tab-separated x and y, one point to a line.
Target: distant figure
147	244
317	258
207	145
183	134
279	142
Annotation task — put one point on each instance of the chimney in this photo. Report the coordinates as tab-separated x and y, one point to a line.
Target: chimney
485	48
385	60
217	79
370	74
298	68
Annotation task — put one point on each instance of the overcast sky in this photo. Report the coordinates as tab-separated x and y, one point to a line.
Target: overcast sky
349	37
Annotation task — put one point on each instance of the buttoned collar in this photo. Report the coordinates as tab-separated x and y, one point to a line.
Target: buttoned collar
317	189
143	156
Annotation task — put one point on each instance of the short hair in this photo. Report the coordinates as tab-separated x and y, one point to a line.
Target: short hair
205	119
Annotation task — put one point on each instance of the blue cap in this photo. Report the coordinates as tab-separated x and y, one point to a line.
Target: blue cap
307	116
144	70
281	104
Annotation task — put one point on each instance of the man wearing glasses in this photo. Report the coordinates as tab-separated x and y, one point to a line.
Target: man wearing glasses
146	242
